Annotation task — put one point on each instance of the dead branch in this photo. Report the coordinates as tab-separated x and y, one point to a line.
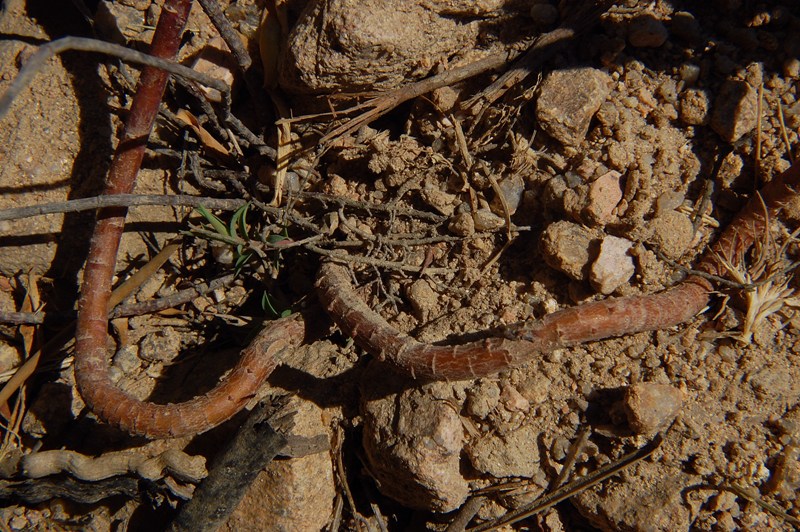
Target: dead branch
172	462
81	44
120	200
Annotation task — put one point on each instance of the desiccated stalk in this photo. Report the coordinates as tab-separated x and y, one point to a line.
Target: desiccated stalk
171	462
107	401
516	344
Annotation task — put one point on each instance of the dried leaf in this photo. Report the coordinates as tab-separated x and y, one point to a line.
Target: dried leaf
271	34
30	303
210	143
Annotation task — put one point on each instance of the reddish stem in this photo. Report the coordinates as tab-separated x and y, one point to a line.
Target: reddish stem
107	401
523	341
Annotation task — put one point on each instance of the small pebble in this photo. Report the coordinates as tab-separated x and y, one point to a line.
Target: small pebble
650	407
689	73
126	359
647	31
512	188
443	202
9	356
512	400
568	101
613	266
566	247
486	220
791	68
462	224
423	298
605	193
18	522
723	501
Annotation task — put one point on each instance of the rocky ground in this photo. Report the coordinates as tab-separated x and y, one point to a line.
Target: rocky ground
616	163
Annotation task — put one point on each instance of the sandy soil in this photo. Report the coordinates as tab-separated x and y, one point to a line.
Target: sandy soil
604	162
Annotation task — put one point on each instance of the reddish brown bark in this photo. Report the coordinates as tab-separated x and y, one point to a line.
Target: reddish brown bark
523	341
107	401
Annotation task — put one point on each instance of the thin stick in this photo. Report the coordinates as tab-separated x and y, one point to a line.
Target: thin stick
91	364
120	200
81	44
151	306
378	207
385	102
784	134
773	509
465	514
572	457
346	258
177	299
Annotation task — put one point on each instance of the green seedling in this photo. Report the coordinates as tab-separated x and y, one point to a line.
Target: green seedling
268	306
236	234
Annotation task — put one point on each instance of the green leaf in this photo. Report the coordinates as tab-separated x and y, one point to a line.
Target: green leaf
238	224
266	304
215	222
245	228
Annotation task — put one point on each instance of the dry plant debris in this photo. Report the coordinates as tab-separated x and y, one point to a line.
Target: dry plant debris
435	211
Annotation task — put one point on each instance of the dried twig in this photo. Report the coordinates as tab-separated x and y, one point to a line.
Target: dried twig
172	462
519	343
46	51
91	365
573	488
233	470
41	490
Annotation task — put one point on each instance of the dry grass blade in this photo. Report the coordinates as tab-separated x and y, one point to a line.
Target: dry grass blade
754	497
765	280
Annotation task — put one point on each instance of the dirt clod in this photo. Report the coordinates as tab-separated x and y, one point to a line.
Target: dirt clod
569	99
650	407
735	110
567	247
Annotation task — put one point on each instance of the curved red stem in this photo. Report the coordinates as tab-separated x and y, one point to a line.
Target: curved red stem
107	401
521	342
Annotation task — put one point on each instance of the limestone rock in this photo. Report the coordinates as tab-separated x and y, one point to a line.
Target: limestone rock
613	266
413	443
650	407
605	193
